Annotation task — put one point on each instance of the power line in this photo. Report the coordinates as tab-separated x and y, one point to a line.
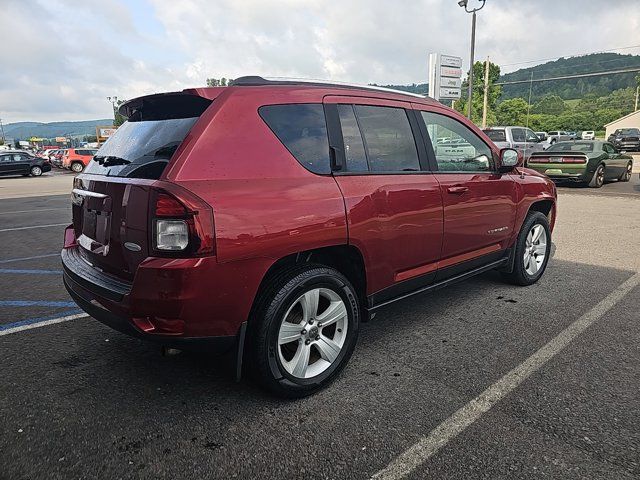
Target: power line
564	77
574	55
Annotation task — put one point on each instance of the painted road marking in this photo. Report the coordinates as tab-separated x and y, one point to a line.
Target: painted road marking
34	226
30	271
30	323
427	446
33	303
11	260
34	211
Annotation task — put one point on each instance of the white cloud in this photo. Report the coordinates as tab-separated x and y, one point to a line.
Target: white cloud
62	63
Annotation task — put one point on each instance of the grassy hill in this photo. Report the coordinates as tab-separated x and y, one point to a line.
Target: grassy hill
24	130
576	87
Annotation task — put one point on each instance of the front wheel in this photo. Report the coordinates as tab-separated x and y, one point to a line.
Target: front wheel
532	250
36	171
304	330
626	176
598	177
77	167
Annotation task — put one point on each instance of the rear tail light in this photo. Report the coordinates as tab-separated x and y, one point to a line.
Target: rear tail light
557	160
182	224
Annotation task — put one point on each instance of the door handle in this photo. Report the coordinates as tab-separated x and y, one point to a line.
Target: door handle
458	190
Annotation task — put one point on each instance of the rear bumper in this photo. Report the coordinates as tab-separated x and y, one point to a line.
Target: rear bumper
90	303
164	304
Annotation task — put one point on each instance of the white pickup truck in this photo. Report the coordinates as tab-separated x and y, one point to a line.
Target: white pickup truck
520	138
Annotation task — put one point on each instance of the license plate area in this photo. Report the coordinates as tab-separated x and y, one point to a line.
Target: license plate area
96	223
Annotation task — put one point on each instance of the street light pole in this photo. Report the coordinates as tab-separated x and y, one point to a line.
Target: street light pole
464	3
114	101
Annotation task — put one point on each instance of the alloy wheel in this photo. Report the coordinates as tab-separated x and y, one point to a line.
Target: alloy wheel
76	167
312	333
535	249
36	171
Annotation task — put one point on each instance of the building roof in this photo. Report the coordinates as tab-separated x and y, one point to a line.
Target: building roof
622	118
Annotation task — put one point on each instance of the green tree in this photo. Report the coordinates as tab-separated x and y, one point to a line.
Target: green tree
512	112
549	104
477	101
118	118
219	82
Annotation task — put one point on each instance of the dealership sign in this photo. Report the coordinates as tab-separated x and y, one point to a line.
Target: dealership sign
445	76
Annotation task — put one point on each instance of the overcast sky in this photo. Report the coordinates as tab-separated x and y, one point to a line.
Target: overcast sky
62	58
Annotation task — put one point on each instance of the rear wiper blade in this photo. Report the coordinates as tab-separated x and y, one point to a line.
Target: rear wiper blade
111	160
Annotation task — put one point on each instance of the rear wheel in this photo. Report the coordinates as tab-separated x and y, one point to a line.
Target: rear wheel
532	250
36	171
626	176
77	167
598	177
304	330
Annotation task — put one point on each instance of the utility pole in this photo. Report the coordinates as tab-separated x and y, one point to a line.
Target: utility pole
634	109
2	128
485	103
464	4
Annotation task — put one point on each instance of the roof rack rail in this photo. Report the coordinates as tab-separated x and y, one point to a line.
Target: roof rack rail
255	80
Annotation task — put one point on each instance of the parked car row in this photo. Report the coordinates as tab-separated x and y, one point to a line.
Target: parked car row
74	159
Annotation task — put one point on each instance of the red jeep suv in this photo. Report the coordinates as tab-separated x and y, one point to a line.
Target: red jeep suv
269	218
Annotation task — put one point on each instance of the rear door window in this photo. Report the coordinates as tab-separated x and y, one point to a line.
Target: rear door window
496	135
388	140
302	129
518	134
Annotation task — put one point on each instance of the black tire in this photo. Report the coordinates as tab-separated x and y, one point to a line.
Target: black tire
519	275
279	295
36	171
626	176
598	177
77	167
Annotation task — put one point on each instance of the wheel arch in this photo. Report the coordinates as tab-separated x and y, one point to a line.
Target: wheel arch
347	259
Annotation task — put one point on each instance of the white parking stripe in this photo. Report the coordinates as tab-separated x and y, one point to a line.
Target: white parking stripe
427	446
44	323
34	226
35	210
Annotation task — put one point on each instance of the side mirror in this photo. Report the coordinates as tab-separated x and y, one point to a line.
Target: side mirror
508	160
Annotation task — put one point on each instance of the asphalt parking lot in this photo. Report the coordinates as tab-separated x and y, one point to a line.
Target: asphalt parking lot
78	400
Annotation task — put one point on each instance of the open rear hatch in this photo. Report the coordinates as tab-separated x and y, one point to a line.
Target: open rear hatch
113	197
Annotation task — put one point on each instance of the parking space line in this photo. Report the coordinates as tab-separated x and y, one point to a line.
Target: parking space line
34	226
31	323
34	211
30	271
11	260
35	303
429	445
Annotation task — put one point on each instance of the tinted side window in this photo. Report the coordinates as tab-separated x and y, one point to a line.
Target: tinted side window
388	139
5	158
354	152
518	134
303	130
608	148
457	149
496	135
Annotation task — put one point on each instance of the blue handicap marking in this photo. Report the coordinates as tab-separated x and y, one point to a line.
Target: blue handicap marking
35	303
30	271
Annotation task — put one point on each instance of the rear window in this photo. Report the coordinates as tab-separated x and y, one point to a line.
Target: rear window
496	135
571	147
143	146
302	130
